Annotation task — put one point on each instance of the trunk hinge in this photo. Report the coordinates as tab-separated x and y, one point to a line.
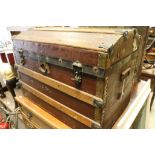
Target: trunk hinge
78	72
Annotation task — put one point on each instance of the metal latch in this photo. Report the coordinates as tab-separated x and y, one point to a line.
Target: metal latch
22	57
77	69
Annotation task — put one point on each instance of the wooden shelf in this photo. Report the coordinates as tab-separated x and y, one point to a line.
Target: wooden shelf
140	97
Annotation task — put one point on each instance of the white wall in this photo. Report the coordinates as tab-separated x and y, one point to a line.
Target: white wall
5	38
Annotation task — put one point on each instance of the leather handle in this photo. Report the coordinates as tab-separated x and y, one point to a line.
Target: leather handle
44	68
124	75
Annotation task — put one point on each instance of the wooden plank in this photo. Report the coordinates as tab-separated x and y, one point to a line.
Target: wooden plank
91	41
78	94
106	30
75	115
41	114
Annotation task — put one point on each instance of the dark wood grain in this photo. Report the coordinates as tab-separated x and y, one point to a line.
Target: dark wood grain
65	99
59	51
61	74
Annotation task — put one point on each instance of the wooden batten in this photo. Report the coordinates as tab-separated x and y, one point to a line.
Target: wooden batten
75	115
41	114
78	94
72	39
105	30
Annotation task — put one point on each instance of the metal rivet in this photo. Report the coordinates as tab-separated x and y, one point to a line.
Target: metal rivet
125	34
60	60
47	58
95	69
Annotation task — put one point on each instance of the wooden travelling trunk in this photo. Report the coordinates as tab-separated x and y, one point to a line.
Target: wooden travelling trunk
82	77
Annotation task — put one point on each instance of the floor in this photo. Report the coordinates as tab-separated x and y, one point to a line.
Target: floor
9	102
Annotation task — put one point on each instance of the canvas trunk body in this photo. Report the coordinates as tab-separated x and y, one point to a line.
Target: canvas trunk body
82	77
